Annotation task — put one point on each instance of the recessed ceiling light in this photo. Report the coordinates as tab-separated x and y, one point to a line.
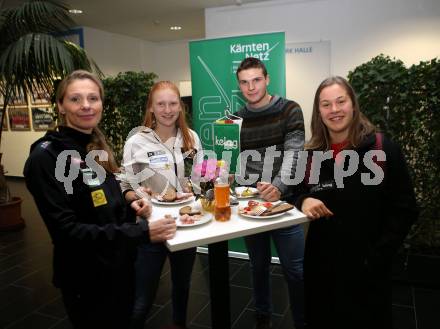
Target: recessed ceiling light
75	11
175	28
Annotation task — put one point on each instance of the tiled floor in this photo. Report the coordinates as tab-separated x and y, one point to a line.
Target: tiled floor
28	300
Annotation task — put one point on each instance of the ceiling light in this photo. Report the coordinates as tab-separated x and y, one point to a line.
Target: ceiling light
175	28
75	11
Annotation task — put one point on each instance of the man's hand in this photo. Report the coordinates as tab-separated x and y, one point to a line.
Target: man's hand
314	208
268	192
142	207
162	229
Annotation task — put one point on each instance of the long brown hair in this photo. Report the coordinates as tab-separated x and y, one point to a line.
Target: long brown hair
98	141
150	120
359	128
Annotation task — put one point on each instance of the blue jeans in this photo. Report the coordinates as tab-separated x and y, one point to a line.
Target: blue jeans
289	243
149	263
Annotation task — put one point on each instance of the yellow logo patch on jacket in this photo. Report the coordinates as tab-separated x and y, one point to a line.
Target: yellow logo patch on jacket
99	198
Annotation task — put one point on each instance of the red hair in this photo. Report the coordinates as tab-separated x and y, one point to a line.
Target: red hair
150	120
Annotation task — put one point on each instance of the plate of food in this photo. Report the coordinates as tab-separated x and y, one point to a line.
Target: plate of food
192	216
245	192
263	210
171	197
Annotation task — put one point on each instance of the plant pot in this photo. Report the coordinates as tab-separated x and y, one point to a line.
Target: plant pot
10	215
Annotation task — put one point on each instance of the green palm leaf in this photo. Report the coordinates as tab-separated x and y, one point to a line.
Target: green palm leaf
31	56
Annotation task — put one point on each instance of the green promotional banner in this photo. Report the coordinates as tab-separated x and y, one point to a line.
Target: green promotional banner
227	143
214	64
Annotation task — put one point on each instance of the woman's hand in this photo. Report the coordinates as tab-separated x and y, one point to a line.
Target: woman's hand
314	208
142	207
162	229
268	192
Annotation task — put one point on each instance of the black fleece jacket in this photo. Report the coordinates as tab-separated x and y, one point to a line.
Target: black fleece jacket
91	237
348	256
368	219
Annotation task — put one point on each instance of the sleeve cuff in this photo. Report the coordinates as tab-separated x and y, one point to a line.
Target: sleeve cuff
143	224
278	184
124	192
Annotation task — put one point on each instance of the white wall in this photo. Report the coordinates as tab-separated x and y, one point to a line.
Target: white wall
171	61
15	149
357	29
116	53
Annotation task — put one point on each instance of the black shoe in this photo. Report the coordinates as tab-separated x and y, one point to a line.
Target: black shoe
263	322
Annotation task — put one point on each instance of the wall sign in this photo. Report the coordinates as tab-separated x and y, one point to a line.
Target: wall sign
42	118
19	118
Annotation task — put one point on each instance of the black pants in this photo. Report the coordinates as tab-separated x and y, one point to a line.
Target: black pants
99	306
149	263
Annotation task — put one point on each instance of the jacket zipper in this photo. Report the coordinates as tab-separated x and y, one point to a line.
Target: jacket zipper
172	154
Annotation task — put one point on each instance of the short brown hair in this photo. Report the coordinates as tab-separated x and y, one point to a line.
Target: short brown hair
251	63
360	126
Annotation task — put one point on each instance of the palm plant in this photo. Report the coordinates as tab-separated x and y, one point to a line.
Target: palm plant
31	56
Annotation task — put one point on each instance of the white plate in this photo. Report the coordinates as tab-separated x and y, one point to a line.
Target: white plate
155	201
263	217
240	189
207	217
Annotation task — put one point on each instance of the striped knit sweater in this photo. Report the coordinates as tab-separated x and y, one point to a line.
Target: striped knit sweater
271	130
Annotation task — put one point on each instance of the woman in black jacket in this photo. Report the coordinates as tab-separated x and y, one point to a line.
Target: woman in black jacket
70	173
359	196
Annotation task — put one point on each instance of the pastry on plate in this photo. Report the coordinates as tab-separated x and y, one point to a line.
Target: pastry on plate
170	194
188	210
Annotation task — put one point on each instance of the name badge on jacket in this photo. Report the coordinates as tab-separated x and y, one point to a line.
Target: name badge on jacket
159	162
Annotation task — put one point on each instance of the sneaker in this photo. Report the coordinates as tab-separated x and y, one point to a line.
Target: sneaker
263	322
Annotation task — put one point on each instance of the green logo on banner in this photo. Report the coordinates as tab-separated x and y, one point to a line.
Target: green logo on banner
227	144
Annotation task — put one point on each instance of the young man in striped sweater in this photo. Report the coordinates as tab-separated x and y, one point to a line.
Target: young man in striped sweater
271	126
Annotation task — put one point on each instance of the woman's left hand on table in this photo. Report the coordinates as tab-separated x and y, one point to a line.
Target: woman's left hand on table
142	207
314	208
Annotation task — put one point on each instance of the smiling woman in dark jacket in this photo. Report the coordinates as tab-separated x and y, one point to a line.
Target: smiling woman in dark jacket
92	228
362	205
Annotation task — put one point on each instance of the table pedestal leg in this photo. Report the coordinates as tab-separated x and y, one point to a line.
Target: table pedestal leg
219	285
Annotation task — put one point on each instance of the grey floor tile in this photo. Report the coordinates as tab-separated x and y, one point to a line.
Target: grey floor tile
12	275
54	308
402	295
26	304
34	321
247	320
427	305
62	324
404	318
241	297
11	294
